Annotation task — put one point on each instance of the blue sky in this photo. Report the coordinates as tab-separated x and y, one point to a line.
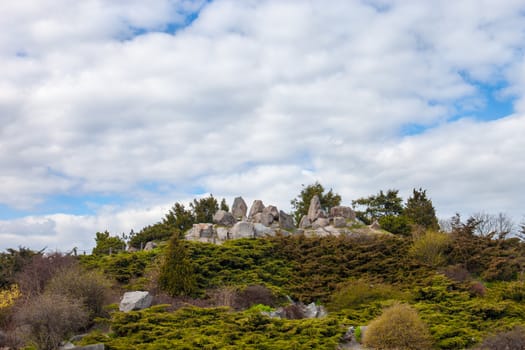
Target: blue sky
113	111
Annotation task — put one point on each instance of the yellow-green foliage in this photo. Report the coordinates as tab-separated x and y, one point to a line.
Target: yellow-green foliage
430	248
215	328
9	296
399	327
356	293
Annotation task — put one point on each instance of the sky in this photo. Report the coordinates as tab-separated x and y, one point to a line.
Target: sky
112	111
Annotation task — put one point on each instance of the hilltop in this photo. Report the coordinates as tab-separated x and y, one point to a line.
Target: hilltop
254	290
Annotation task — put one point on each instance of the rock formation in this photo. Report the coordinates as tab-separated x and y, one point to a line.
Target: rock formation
135	301
257	207
239	208
223	218
269	220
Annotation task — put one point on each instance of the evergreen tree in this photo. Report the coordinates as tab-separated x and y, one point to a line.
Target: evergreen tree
179	218
204	209
379	205
302	202
224	206
177	273
108	244
420	211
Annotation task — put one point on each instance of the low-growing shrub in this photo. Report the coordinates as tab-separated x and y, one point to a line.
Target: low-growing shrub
399	327
355	293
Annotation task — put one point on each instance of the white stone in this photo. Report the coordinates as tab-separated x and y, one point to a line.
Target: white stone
135	301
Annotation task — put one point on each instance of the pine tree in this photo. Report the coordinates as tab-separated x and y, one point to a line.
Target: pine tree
420	211
177	273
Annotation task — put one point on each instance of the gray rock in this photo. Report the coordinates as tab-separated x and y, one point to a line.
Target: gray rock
150	246
137	300
305	222
314	210
263	218
314	311
286	221
262	230
222	233
223	218
201	231
257	207
320	222
339	221
67	346
239	208
375	225
242	229
345	212
273	211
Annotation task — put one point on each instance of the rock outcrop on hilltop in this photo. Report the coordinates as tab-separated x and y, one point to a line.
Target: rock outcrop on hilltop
263	220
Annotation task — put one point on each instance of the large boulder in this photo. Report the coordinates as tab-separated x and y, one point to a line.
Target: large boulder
339	221
242	229
239	208
150	246
286	221
314	311
262	230
314	210
342	211
273	211
321	222
305	222
201	231
137	300
224	218
223	233
257	207
263	218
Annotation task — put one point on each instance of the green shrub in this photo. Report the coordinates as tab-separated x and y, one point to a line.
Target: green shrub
514	291
399	327
356	293
396	224
430	248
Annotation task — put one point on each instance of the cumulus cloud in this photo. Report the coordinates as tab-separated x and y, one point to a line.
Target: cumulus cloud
254	98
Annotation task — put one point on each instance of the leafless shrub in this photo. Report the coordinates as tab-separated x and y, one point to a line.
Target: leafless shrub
477	289
89	287
51	318
493	225
457	273
293	312
253	295
514	339
33	278
224	296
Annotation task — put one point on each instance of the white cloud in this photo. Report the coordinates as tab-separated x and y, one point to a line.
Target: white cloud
255	98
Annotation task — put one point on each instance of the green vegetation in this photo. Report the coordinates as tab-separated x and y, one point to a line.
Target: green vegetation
398	327
420	288
215	328
177	275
